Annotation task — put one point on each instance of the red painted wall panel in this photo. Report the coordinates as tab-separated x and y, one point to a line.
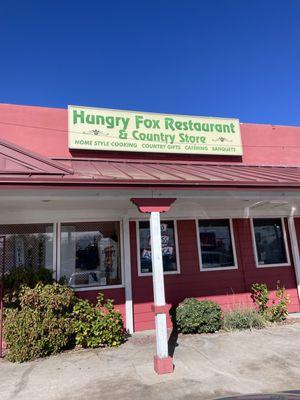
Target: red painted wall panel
229	288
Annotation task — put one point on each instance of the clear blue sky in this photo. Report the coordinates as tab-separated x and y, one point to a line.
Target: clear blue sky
230	58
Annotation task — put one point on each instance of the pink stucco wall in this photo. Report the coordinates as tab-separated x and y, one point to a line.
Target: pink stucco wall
44	130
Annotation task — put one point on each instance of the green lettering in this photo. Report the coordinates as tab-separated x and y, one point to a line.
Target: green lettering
100	120
218	127
191	125
169	123
197	126
110	122
122	134
135	135
185	126
77	115
178	125
90	119
181	137
138	121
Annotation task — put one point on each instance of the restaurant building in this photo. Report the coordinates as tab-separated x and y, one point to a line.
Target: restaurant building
102	195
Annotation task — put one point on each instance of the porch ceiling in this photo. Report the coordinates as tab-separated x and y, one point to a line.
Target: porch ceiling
17	204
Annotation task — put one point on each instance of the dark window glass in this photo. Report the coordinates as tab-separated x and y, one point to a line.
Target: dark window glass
167	242
90	253
269	241
215	242
29	245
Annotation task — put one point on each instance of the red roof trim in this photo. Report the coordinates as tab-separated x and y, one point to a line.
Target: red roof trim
21	167
147	205
23	161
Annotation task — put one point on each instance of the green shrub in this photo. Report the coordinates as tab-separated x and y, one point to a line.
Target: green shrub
32	334
193	316
243	318
60	299
278	310
42	325
260	296
99	325
23	276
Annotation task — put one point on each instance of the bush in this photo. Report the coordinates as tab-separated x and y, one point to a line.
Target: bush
278	310
42	325
243	318
260	296
32	334
98	326
60	299
23	276
193	316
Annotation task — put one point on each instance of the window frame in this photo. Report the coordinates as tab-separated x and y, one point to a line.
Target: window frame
122	261
144	274
288	263
232	267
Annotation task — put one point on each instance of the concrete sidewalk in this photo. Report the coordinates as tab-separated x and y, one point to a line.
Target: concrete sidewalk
206	367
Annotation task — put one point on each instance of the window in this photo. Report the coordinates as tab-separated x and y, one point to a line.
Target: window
168	242
29	245
90	254
216	244
270	242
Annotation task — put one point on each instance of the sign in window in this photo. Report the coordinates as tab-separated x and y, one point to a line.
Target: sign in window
168	244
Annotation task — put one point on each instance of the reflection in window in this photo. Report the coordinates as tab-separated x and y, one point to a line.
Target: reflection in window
216	244
90	253
29	245
167	242
269	241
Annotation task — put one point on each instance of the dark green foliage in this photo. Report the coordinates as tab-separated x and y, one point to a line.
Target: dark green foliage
97	326
43	319
260	296
42	325
32	334
23	276
193	316
243	318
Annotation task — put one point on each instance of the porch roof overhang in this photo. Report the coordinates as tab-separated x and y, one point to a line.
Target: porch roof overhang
22	168
131	173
